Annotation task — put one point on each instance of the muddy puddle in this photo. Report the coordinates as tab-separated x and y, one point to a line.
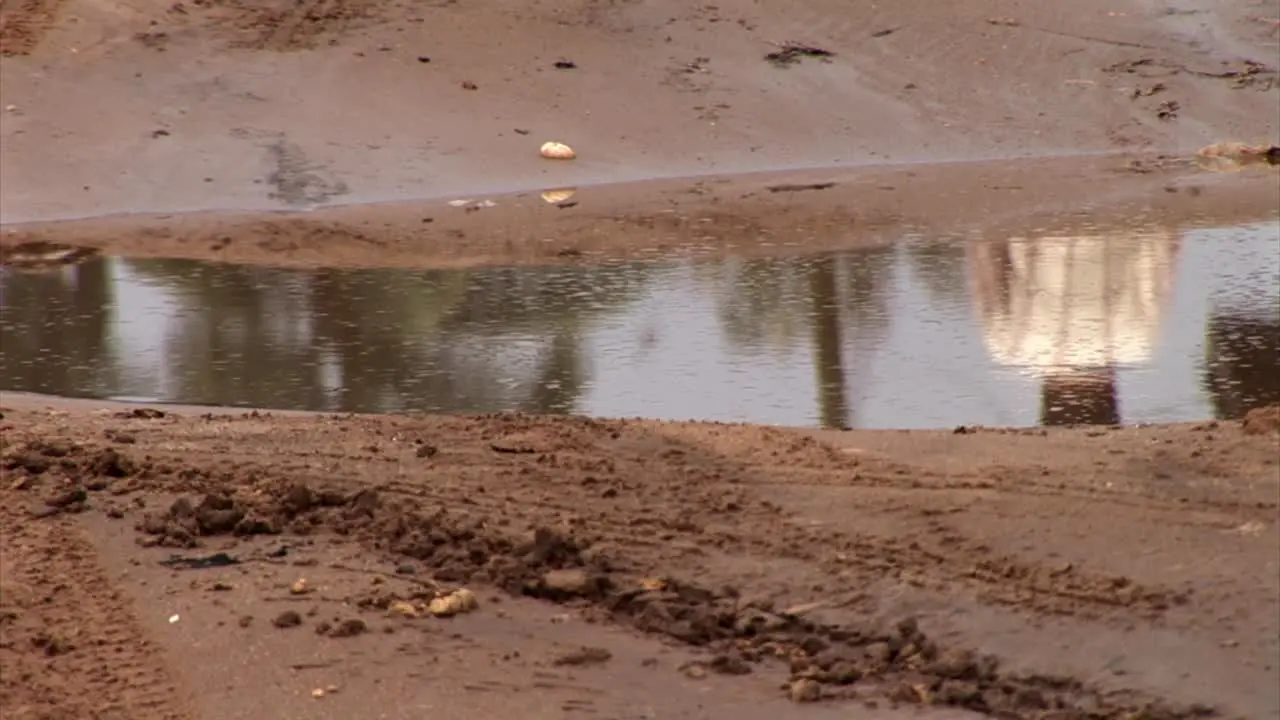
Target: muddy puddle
1144	325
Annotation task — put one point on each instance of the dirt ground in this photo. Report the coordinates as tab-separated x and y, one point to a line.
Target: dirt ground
254	108
182	564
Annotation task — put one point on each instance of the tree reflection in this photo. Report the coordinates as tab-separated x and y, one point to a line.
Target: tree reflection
833	403
836	304
243	337
1242	364
1080	397
380	330
939	265
761	303
384	340
54	328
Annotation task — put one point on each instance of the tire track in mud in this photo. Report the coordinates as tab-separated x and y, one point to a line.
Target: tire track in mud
695	500
464	495
23	24
924	561
70	639
630	487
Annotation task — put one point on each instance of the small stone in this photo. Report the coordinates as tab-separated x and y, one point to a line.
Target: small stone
406	609
455	603
569	583
880	652
557	151
300	587
806	691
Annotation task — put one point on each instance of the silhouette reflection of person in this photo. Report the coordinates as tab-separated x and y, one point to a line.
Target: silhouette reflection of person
1071	310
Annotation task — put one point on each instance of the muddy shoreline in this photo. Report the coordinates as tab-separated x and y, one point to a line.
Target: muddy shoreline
759	214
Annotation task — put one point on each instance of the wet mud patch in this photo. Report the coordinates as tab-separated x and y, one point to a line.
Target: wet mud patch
297	180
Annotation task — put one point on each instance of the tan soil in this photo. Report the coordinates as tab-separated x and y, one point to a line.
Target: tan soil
704	568
260	106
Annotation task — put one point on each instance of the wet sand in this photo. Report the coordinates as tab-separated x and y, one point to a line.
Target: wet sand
621	568
759	214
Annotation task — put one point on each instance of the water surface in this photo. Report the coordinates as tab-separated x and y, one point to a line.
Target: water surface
1092	325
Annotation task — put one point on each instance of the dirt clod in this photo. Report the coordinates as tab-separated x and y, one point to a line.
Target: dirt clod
583	656
1262	421
287	619
348	628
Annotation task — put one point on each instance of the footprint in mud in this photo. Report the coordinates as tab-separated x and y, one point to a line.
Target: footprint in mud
297	180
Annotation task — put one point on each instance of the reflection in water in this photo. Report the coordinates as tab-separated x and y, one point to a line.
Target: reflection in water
54	331
1241	359
1242	368
1070	310
356	340
833	402
1055	329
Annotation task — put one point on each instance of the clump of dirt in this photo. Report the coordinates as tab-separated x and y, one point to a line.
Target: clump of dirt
902	663
39	458
1262	421
790	53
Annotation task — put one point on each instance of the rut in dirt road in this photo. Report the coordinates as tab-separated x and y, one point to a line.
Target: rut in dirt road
584	513
71	643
